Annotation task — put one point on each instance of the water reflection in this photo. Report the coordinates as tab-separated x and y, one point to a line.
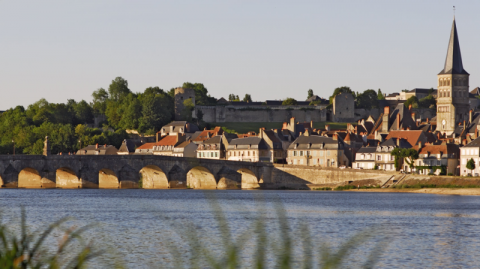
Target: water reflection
138	225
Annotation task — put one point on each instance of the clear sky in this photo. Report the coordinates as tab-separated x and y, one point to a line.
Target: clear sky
274	49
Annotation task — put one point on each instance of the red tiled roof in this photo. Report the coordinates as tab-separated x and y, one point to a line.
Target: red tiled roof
147	146
411	136
436	149
169	140
207	134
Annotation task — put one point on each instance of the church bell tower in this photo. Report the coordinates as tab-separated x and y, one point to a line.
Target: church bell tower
452	95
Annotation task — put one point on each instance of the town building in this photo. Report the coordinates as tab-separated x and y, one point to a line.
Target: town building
98	150
177	127
248	149
128	147
186	149
453	95
432	159
470	151
314	150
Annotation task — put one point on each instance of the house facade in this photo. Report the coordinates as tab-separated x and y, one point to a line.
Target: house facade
313	150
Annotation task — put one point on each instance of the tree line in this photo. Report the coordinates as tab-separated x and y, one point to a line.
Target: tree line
69	125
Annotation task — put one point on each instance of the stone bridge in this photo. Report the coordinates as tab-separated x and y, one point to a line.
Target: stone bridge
129	171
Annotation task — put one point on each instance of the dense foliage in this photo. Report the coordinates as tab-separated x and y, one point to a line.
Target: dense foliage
69	125
289	102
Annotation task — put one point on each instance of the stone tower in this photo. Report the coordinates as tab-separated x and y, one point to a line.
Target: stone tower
452	99
181	95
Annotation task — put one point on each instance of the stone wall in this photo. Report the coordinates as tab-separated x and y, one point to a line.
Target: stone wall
214	114
301	177
343	108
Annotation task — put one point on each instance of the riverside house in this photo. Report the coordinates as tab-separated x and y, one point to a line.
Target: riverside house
467	152
248	149
314	150
432	157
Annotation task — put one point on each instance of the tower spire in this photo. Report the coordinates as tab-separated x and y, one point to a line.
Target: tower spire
453	62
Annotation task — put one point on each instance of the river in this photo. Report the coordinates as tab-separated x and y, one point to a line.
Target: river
138	228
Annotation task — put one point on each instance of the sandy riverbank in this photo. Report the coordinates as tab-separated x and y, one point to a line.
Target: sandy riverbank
446	191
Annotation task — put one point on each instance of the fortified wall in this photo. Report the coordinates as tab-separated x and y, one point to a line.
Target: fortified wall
219	113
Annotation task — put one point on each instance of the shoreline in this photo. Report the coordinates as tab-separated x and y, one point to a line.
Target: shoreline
442	191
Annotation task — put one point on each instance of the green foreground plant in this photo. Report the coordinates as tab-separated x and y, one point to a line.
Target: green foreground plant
29	249
272	250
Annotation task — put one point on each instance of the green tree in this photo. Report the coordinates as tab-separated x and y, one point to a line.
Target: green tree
408	155
310	93
367	100
339	90
412	101
470	165
289	102
83	112
233	98
380	95
118	89
157	109
247	98
202	98
100	98
427	102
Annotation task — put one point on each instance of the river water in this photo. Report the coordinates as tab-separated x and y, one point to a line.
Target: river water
142	228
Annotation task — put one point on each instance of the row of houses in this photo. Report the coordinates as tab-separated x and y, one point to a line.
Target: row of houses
363	146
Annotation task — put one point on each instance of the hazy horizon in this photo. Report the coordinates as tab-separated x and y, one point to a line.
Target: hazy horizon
270	49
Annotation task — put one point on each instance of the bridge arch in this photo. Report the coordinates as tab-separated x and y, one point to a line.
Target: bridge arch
177	178
31	178
153	177
249	179
229	179
66	178
200	177
107	179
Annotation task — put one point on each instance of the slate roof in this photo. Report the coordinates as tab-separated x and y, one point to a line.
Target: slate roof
314	141
367	150
474	144
214	140
242	143
404	144
128	145
453	61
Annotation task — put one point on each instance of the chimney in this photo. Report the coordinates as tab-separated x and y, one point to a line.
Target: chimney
398	141
378	143
327	127
476	132
187	128
285	125
413	116
386	110
311	124
427	120
376	134
408	128
105	146
335	137
464	125
96	146
300	134
410	107
419	145
438	135
398	121
470	116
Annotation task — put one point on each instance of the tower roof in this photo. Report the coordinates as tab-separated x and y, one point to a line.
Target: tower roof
453	62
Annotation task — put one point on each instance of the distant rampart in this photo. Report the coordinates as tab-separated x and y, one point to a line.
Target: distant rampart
261	114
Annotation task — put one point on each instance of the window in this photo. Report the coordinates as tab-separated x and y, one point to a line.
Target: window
295	161
362	156
301	161
314	161
321	153
315	153
253	153
464	161
321	162
392	158
294	153
248	153
216	154
463	152
301	153
379	157
328	152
